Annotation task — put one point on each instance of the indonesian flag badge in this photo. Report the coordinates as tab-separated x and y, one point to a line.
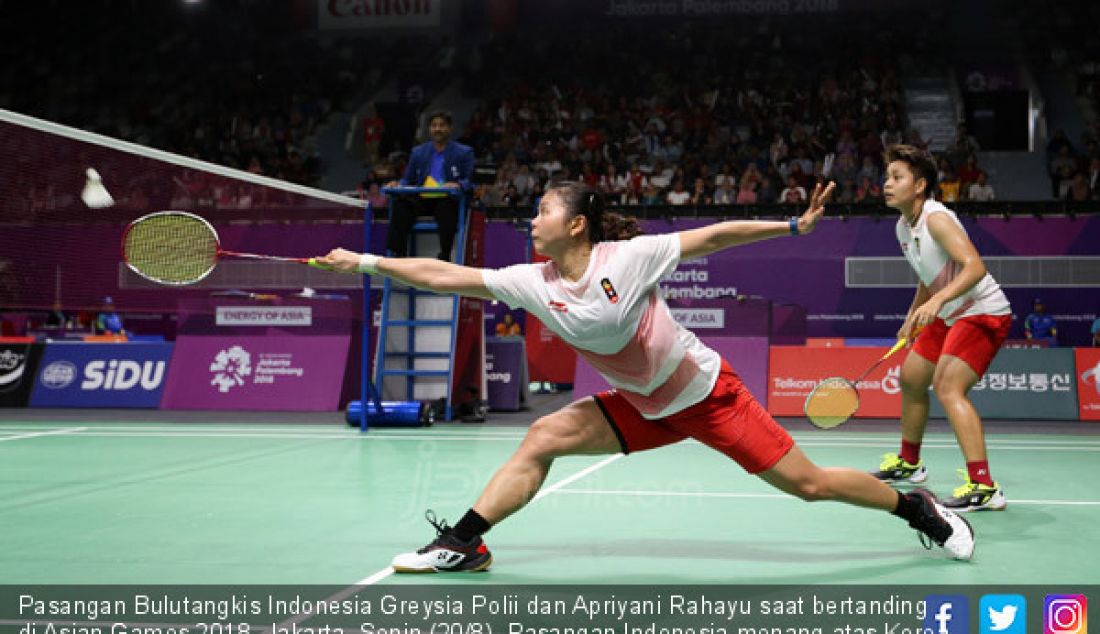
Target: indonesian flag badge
609	290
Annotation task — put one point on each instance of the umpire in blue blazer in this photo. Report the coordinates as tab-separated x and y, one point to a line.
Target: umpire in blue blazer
442	163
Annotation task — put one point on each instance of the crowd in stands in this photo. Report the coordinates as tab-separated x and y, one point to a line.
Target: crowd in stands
187	78
1064	39
698	114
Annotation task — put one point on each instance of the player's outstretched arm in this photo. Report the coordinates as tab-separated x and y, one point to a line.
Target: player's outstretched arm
423	273
696	243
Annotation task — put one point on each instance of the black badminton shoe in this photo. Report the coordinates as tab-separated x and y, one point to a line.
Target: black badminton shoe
943	527
445	553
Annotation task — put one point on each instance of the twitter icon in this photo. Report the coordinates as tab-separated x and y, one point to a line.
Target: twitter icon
1003	614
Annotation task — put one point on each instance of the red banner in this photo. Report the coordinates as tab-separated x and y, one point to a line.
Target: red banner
468	384
794	371
1088	382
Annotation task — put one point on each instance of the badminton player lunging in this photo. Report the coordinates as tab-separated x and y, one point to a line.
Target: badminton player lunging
965	318
598	292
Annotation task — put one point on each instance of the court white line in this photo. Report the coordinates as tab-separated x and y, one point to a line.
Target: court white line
1065	445
783	496
334	430
352	438
55	432
553	488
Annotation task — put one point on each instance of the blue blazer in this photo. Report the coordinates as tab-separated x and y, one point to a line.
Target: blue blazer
458	165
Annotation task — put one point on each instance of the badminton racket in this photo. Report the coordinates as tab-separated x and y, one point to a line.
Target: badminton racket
833	401
179	248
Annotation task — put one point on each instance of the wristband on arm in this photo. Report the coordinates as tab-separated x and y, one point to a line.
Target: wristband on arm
368	263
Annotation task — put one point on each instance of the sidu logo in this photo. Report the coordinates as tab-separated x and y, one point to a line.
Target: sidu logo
122	375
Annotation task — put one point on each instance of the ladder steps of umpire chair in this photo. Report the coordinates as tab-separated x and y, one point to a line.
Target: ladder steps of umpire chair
416	372
433	328
418	322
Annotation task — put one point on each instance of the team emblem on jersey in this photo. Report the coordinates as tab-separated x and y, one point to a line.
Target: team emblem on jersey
558	306
609	290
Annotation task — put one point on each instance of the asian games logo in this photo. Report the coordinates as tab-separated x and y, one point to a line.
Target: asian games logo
891	383
230	367
1092	377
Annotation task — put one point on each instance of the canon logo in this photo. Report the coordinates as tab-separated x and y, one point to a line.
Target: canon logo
344	8
122	375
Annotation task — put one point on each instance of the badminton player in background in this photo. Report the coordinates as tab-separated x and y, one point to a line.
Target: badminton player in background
964	318
599	293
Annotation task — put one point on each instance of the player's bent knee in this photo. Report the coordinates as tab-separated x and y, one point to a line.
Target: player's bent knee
545	438
815	490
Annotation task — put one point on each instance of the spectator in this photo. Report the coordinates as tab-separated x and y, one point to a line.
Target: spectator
1094	177
678	195
524	183
1095	330
766	193
375	196
1062	168
1039	326
1078	190
968	173
440	163
108	322
868	191
699	194
747	193
508	327
652	195
981	190
793	193
949	187
725	195
869	171
373	128
847	191
57	318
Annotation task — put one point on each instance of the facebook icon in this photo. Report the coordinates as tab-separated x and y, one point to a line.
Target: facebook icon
946	614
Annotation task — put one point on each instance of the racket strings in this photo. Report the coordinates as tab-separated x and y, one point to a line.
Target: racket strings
171	248
832	402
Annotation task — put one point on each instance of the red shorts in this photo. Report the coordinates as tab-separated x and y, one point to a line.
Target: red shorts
729	420
975	340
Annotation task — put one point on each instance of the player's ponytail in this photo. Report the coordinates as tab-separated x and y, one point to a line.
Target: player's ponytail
581	200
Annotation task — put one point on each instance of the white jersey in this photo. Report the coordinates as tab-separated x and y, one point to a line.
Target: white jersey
936	269
615	318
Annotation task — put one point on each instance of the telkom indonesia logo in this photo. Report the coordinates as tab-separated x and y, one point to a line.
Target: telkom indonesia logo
1092	377
230	367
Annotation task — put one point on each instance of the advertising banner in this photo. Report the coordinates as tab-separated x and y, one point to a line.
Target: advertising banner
1025	384
505	365
101	375
794	371
1088	383
257	373
18	364
378	14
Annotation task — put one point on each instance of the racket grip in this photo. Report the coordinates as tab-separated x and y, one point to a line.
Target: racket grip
317	265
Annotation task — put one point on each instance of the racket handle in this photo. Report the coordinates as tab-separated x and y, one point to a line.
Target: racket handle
897	346
317	265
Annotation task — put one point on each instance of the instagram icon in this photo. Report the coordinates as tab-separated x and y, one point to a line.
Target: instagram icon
1065	614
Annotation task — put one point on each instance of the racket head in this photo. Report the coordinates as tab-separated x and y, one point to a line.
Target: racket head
176	248
831	403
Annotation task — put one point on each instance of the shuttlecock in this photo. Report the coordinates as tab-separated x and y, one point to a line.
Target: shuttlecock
95	195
